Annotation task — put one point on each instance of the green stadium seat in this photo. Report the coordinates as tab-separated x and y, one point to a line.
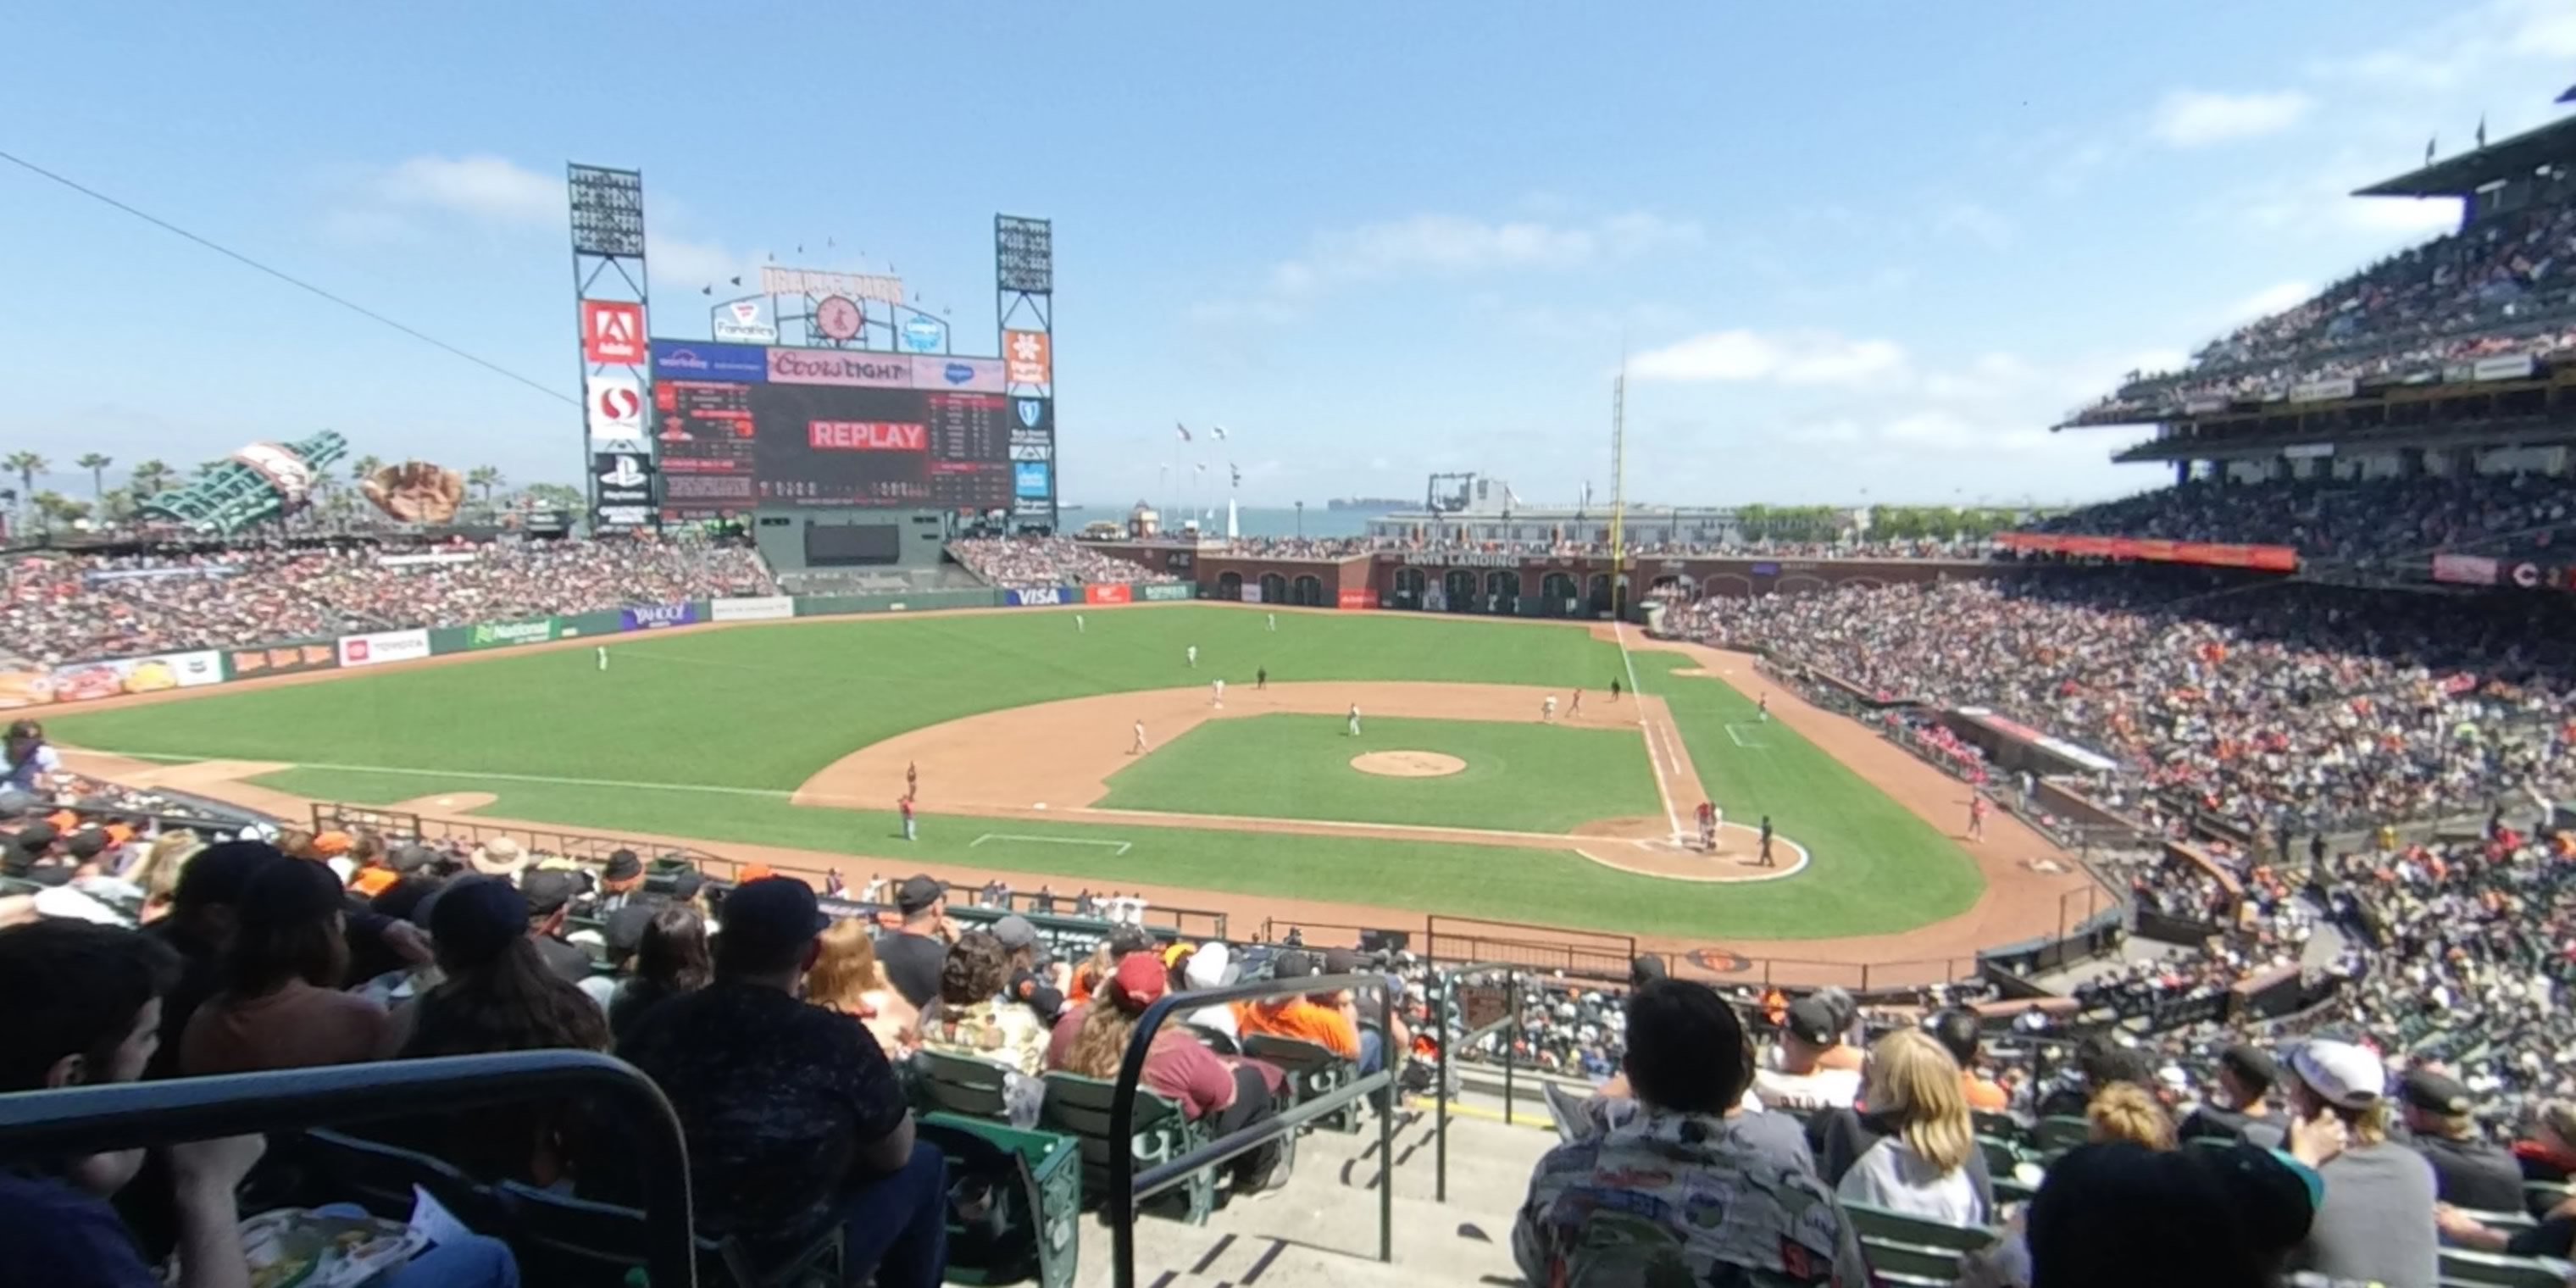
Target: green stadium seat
2003	1127
2001	1157
2463	1267
1080	1107
1033	1231
2057	1135
1909	1251
962	1085
330	1167
565	1242
1312	1072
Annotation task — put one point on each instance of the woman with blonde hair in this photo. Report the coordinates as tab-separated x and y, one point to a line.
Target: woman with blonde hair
158	873
847	978
1915	1149
2124	1112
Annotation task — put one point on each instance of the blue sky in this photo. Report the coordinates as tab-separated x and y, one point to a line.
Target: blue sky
1857	252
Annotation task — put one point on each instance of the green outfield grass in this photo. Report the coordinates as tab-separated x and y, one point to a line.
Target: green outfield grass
1523	777
705	735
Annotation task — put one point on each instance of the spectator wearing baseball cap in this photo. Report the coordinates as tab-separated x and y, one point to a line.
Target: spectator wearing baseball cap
550	893
1229	1095
1326	1023
2469	1170
2376	1223
281	1006
2236	1109
914	952
1685	1067
1032	983
793	1117
1796	1076
498	995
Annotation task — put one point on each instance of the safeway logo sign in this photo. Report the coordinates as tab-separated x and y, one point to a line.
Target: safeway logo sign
616	407
612	331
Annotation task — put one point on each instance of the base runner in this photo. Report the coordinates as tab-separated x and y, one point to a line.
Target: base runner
1138	748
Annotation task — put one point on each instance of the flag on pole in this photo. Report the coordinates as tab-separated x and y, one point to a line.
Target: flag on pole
1183	430
2428	148
1236	471
2482	129
1218	432
1201	467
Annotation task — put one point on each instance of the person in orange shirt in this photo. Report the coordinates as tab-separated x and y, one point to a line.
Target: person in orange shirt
1956	1031
1321	1019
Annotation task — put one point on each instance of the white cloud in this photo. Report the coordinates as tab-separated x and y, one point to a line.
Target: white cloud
2190	118
1448	246
2268	301
681	262
1975	222
487	187
2466	49
1789	358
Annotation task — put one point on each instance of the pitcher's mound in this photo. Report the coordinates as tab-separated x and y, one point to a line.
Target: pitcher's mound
1407	764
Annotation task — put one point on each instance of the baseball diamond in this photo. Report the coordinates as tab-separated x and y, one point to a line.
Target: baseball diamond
1016	723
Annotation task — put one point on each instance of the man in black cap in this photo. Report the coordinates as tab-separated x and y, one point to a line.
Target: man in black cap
34	855
550	892
1797	1077
2469	1171
619	881
1032	983
793	1118
2237	1112
913	953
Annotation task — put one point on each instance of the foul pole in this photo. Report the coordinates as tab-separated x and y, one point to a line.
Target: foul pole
1618	484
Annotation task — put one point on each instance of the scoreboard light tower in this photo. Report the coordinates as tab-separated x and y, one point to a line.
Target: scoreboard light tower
608	270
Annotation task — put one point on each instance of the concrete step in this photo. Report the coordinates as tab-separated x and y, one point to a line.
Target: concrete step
1309	1234
1489	1163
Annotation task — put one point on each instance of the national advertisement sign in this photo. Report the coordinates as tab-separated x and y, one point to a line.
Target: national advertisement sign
86	681
1163	592
1038	596
959	375
764	608
1117	592
383	646
652	617
510	634
698	360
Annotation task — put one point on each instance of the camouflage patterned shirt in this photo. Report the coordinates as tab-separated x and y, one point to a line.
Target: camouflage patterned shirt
1670	1200
1005	1033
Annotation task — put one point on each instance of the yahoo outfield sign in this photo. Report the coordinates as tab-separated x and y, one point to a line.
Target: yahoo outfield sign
656	616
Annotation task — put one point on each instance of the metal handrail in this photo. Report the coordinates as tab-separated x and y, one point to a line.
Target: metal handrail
1440	1016
1127	1188
133	1115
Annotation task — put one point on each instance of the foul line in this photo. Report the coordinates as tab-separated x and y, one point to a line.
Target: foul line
1672	817
1739	741
769	793
1120	847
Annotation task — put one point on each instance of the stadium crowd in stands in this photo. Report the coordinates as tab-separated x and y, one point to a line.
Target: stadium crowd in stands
2298	708
1020	563
2502	287
2497	515
58	608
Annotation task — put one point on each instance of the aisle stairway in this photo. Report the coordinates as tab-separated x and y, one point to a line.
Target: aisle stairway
1321	1229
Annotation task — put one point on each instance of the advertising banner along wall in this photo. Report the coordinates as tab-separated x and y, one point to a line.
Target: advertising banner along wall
1360	598
382	647
83	681
766	608
1115	593
283	659
1043	596
655	616
1166	591
507	634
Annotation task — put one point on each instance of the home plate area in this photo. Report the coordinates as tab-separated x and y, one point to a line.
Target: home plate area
1649	847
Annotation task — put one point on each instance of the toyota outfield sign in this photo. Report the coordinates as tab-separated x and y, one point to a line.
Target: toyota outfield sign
383	647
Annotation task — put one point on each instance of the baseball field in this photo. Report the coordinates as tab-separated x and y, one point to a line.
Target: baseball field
1457	795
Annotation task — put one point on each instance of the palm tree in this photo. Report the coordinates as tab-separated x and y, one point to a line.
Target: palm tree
486	477
151	478
54	505
28	465
97	465
116	506
361	469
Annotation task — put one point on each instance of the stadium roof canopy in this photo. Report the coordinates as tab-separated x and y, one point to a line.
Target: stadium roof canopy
2513	158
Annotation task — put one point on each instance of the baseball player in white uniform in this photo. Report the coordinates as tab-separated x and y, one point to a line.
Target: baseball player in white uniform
1194	657
1139	748
1547	709
1219	686
603	657
1355	720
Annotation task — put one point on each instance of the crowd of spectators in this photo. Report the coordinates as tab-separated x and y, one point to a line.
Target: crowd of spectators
58	608
2497	515
1758	548
2297	707
2501	287
1028	563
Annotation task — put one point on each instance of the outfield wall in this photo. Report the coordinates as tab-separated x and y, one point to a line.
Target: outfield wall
76	682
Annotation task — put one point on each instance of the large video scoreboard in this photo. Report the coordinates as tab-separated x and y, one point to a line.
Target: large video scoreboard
740	426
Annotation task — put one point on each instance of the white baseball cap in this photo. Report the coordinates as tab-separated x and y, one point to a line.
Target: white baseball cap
2342	1073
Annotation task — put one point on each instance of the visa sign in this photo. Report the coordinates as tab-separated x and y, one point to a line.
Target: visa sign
1037	597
